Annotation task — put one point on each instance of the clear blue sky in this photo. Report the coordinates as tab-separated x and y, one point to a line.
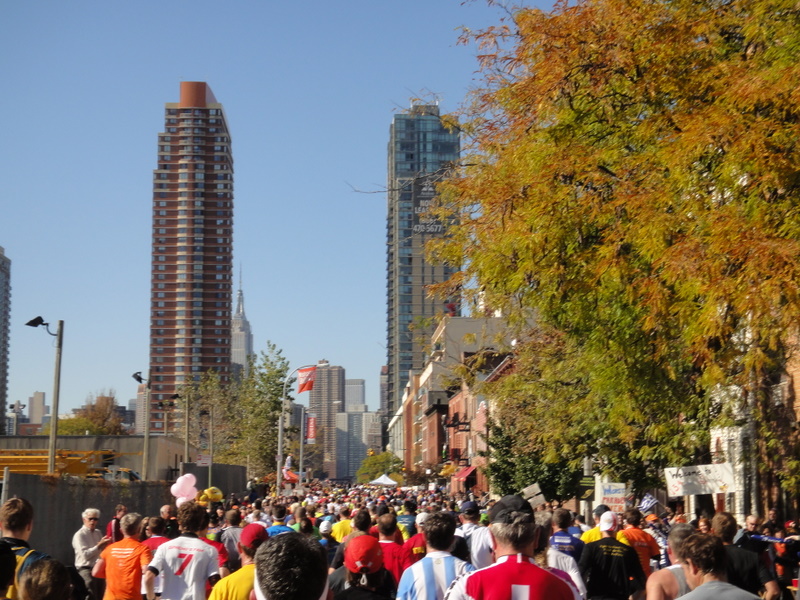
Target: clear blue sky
309	89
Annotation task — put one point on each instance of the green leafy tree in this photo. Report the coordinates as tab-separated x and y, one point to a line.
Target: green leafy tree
260	405
75	426
378	464
632	184
245	412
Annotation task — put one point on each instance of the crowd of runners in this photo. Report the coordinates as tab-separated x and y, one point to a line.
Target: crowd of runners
387	543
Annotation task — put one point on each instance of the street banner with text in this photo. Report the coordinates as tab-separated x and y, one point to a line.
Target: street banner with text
700	479
311	428
305	379
613	496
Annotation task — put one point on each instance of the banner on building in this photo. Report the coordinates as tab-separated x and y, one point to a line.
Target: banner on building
700	479
311	428
613	496
305	379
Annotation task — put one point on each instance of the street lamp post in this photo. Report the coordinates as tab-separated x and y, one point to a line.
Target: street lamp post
59	335
186	429
210	414
210	442
167	408
281	427
300	465
147	408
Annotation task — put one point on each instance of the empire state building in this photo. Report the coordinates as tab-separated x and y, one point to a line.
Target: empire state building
241	338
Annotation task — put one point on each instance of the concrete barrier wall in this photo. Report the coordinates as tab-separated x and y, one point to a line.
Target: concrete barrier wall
228	478
59	502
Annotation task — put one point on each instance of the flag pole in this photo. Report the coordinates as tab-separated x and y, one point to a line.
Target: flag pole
281	428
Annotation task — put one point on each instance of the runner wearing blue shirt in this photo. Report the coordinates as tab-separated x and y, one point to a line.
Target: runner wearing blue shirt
561	539
278	516
429	578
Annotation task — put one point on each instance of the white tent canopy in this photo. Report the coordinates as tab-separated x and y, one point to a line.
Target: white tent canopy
383	480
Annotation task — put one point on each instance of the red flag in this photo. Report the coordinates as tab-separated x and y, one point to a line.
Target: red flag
305	379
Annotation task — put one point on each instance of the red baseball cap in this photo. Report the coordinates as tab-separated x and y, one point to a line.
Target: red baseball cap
253	535
363	554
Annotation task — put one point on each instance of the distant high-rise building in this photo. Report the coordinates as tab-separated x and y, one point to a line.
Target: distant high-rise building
384	397
191	284
326	400
241	338
139	408
354	395
357	432
383	412
5	326
421	150
36	408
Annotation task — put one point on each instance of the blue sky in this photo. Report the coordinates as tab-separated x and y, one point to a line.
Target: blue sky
309	90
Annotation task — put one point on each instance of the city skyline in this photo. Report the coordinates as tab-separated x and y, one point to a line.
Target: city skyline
308	114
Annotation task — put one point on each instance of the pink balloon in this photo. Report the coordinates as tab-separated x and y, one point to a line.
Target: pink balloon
175	490
184	483
180	501
191	493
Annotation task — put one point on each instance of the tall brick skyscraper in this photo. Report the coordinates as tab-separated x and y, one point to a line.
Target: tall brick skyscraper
191	283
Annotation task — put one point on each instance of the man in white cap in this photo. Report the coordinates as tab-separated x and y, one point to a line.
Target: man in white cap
611	569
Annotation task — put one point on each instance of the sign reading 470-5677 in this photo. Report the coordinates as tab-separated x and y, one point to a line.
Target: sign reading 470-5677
433	227
424	222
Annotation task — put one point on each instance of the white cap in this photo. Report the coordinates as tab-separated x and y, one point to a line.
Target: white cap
608	521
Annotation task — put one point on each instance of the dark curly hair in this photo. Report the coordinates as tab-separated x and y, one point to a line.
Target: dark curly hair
291	566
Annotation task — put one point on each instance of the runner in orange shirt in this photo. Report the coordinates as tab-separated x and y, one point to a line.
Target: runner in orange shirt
645	544
122	563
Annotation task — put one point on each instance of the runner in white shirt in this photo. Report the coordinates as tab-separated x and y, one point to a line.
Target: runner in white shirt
186	562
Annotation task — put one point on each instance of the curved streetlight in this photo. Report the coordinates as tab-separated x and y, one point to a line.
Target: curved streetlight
147	408
59	335
281	427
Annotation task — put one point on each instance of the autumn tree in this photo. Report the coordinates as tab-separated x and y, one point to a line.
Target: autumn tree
632	183
100	415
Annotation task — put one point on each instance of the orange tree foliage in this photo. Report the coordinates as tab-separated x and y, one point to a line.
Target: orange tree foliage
101	416
633	182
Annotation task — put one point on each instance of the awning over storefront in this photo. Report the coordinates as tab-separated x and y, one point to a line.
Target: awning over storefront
464	473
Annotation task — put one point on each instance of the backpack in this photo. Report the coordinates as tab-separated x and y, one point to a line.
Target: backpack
22	555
